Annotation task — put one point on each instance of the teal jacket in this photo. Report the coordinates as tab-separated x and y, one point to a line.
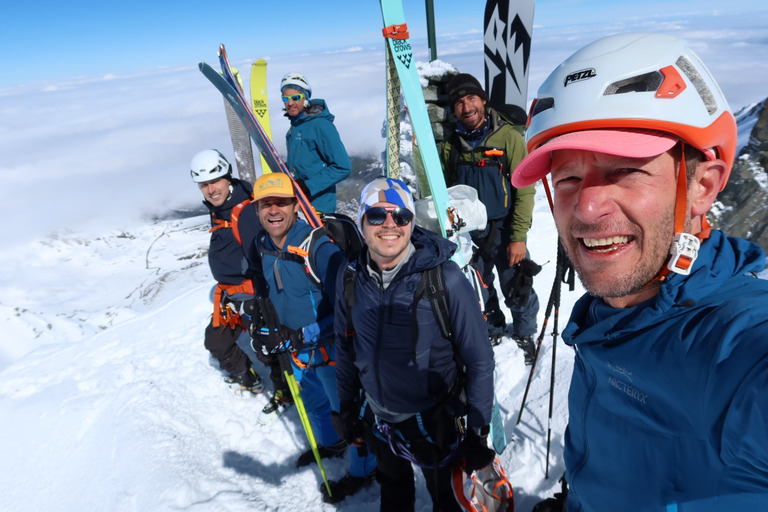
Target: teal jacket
316	154
668	405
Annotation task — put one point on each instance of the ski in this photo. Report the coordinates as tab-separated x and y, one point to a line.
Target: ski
393	117
241	142
396	34
259	101
507	41
226	86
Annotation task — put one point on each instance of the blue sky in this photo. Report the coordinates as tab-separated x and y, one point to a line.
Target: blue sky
51	40
108	126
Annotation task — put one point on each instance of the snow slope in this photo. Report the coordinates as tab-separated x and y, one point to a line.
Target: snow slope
110	401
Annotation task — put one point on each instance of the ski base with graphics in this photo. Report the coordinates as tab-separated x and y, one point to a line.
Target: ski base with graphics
259	101
507	41
241	141
226	86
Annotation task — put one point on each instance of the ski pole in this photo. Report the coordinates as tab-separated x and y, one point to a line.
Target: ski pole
558	273
294	387
550	305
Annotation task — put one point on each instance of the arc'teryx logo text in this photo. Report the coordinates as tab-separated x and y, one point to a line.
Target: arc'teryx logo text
580	75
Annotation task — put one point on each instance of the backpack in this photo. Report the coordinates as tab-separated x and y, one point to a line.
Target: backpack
339	228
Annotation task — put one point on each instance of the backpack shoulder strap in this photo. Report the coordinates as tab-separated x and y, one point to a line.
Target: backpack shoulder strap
438	299
235	219
349	280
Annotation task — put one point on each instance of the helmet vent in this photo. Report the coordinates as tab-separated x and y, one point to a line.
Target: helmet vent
705	93
648	82
541	105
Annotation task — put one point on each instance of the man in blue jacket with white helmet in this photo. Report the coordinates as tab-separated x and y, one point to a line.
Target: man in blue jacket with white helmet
667	404
316	156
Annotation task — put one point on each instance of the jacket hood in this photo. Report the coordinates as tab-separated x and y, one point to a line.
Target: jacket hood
720	259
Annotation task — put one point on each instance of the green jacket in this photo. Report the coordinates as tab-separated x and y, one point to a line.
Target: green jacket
500	135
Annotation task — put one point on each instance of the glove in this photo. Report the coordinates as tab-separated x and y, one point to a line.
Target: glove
303	187
521	284
348	424
474	451
282	339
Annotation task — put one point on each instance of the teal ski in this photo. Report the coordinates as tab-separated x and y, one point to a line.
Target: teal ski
396	33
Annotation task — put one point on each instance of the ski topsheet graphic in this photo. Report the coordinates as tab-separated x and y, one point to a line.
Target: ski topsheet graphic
241	142
508	33
259	101
226	85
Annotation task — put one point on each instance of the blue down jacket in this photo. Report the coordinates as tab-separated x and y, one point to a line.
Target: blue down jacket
226	257
382	358
668	405
316	155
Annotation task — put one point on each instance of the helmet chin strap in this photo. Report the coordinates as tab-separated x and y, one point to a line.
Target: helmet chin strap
685	246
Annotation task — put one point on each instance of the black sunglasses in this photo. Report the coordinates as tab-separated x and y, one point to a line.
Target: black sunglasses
377	215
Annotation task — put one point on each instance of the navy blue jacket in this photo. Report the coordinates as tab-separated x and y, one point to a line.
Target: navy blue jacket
226	257
382	359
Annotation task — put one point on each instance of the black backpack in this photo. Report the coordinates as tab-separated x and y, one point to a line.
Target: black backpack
341	230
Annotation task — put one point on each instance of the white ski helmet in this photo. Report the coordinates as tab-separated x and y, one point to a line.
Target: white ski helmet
208	165
632	81
297	81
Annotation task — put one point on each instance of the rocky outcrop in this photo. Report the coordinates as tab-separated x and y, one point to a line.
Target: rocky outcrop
742	207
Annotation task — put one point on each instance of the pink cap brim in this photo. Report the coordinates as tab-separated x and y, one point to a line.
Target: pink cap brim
626	143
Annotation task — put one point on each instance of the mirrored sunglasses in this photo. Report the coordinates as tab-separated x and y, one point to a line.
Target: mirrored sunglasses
377	215
293	97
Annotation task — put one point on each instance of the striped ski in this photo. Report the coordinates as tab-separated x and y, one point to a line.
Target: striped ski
259	101
235	97
393	117
241	142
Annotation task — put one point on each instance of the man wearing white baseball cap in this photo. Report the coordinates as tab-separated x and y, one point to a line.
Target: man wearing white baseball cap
667	400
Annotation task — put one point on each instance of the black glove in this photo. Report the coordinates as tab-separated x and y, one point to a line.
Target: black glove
347	422
303	187
521	284
282	339
474	451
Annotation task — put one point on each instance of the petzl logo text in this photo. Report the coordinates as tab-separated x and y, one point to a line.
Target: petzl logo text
578	76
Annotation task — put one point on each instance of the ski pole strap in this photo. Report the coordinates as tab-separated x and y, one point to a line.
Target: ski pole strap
233	221
396	31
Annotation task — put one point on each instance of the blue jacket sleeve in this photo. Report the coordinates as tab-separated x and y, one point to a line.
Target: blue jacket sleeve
337	164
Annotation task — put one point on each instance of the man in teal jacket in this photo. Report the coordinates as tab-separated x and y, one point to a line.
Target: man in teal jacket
667	405
316	156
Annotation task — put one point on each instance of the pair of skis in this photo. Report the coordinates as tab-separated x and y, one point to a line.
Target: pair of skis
241	141
227	84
